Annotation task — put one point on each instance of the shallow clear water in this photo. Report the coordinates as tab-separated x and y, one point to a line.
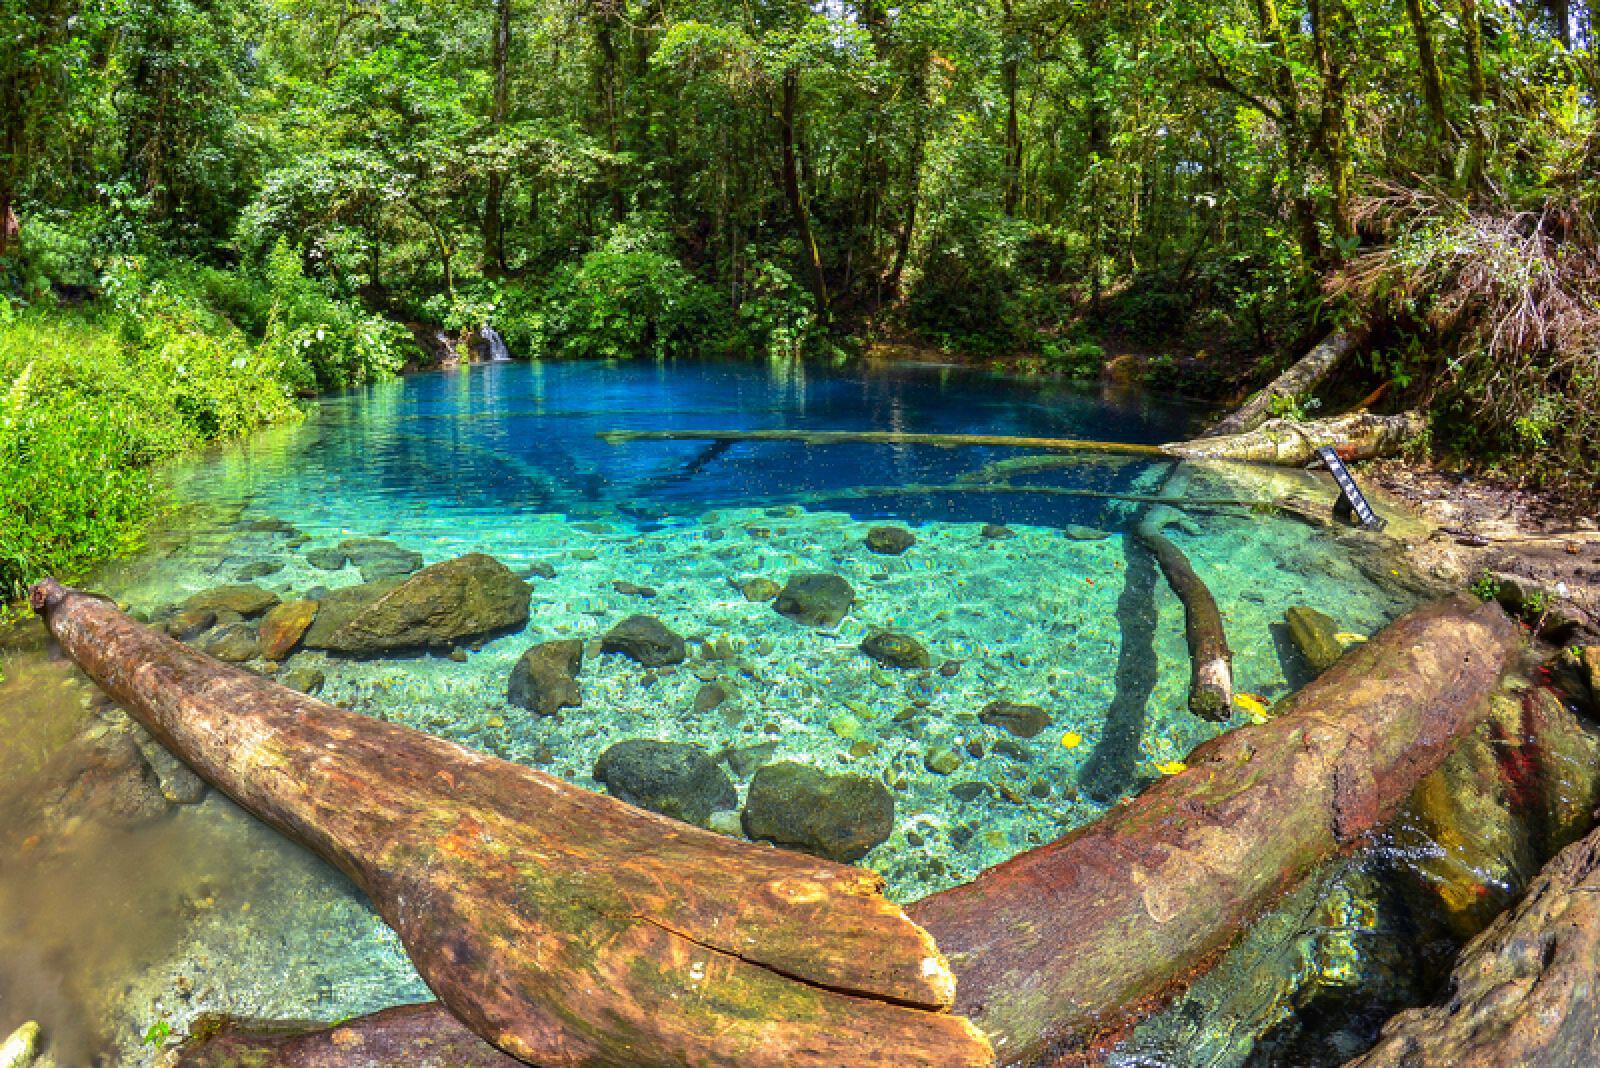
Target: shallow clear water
1068	614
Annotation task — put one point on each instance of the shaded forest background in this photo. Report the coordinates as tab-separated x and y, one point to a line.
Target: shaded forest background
239	200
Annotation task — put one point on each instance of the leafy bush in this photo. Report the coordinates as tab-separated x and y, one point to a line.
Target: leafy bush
89	400
628	298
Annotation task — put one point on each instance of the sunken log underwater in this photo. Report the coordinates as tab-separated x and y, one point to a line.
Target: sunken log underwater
552	926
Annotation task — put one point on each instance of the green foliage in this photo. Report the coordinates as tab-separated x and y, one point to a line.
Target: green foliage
90	400
157	1033
1485	587
629	298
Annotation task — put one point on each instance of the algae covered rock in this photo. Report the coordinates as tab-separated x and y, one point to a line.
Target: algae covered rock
672	778
379	558
760	589
284	626
1024	721
839	817
897	650
469	597
246	600
545	678
816	599
1314	634
645	639
233	642
890	541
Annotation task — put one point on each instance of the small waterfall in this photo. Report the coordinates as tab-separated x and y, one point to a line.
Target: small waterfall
497	346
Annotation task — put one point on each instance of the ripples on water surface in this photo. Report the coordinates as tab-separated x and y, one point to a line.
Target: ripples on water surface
208	911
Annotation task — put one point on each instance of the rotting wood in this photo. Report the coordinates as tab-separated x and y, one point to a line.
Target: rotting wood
1277	442
564	926
1522	992
1210	659
408	1036
882	437
1061	946
1303	376
1287	443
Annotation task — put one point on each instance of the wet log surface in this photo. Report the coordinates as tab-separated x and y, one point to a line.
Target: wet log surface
409	1036
1525	992
1058	948
1288	443
563	926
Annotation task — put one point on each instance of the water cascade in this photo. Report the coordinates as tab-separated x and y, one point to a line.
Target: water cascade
497	345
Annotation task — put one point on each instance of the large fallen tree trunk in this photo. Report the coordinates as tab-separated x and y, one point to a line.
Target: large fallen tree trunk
1287	443
563	926
1280	442
1301	378
1524	991
1058	948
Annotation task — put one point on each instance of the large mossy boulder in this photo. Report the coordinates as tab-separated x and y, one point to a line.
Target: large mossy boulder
1315	635
672	778
545	678
245	601
839	817
645	639
472	596
815	599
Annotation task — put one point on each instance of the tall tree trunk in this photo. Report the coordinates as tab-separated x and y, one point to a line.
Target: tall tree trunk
1301	205
913	193
494	248
1477	91
1560	12
606	18
1330	33
1010	79
1428	68
794	194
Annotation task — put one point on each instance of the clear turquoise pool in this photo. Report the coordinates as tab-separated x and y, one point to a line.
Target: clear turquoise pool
1067	614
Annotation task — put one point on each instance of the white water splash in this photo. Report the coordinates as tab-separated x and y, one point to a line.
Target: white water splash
497	346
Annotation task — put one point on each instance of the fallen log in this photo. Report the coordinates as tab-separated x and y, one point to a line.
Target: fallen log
408	1036
1280	442
1210	659
1061	946
563	926
1522	992
1301	378
1287	443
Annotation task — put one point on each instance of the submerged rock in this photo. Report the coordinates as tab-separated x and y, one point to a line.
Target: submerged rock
890	541
646	640
744	760
1078	532
258	569
709	697
839	817
471	596
177	783
545	679
1024	721
306	679
942	761
187	624
896	650
233	642
247	600
1314	634
327	558
629	589
284	626
816	599
335	608
672	778
760	589
996	532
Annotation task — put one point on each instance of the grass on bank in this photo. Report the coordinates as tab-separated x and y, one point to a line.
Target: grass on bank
92	398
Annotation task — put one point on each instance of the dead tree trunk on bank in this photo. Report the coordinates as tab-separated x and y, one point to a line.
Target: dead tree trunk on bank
1301	378
565	927
1059	947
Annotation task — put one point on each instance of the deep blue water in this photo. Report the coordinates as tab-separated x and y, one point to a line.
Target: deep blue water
517	437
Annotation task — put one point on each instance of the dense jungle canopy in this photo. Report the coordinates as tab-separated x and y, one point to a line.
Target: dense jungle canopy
1208	186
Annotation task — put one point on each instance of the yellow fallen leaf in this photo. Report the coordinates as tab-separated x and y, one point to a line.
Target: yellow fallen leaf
1171	767
1249	702
1345	637
1071	740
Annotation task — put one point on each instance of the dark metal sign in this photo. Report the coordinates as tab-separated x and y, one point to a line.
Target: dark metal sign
1351	500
